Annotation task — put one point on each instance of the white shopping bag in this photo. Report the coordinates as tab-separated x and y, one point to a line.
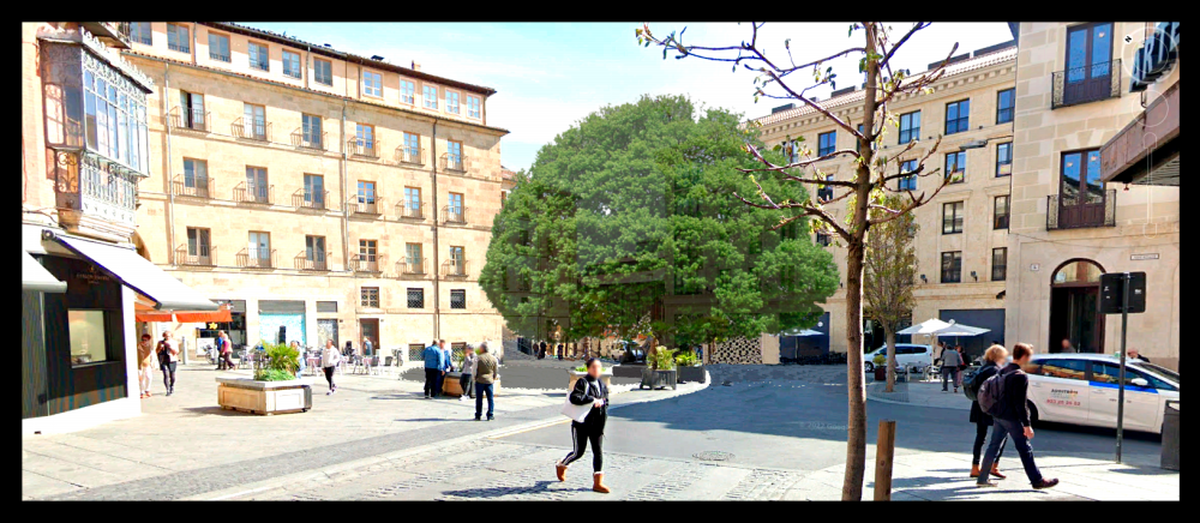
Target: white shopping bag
575	412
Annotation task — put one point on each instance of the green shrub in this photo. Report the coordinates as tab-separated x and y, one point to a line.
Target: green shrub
664	359
583	368
880	359
273	375
686	359
280	363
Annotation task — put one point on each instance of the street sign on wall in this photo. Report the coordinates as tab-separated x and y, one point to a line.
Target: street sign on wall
1111	287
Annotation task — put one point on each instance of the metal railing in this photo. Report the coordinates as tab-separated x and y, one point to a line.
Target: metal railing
1071	215
198	120
408	155
308	141
260	195
454	269
412	210
303	199
366	207
1089	83
366	149
256	258
202	187
303	263
453	163
206	256
411	266
213	55
452	214
360	263
256	130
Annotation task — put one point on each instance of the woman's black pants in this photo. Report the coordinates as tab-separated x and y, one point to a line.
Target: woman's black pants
581	434
981	432
329	375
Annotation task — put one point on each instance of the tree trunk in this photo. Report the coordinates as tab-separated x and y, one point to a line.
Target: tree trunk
856	432
891	357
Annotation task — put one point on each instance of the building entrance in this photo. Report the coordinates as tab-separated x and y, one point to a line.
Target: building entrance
1075	307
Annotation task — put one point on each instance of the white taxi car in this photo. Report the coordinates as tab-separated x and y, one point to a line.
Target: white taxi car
1081	389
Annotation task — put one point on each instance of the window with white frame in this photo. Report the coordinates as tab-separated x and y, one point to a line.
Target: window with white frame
177	38
291	64
474	107
322	71
373	84
408	92
218	47
430	96
451	102
259	57
141	33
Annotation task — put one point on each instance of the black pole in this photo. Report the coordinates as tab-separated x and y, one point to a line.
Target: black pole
1121	372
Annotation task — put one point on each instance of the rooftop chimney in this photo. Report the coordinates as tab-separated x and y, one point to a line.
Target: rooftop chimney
416	66
377	58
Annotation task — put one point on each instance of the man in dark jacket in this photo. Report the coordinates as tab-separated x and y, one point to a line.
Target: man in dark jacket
1012	420
435	364
589	389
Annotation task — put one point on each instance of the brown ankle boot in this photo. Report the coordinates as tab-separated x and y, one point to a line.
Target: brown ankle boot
996	471
561	471
598	483
975	471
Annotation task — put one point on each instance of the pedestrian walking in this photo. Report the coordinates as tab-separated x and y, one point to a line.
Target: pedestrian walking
330	357
560	352
145	361
224	352
993	358
470	359
962	366
447	366
951	359
433	369
302	359
485	379
1011	419
589	389
168	357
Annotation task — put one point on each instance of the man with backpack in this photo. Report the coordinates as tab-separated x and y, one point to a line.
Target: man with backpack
1002	396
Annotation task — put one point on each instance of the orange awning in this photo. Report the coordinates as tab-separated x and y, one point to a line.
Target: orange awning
150	317
218	316
145	312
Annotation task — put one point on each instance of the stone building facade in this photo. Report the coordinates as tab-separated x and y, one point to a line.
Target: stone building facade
321	194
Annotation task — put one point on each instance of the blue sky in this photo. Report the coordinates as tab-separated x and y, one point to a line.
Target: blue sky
549	76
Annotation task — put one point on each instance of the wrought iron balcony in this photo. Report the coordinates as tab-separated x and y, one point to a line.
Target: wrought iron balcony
303	199
454	163
256	258
192	120
454	269
308	140
260	195
412	210
409	155
320	262
205	256
454	215
411	266
251	130
196	187
1090	83
115	34
1067	213
361	263
363	148
361	207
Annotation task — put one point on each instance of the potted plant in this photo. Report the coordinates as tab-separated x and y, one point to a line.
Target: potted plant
690	367
274	388
880	362
663	372
606	374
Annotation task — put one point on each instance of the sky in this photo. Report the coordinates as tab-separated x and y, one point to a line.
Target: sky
548	76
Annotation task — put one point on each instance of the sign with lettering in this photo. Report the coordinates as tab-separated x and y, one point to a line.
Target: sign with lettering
92	276
1034	267
1156	56
1144	256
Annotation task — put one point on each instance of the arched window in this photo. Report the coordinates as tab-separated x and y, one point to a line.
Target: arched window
1077	272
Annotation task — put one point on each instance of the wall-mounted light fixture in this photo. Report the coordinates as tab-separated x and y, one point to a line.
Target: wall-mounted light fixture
924	279
973	275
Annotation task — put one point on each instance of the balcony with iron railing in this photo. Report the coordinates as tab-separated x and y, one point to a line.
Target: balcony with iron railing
411	210
455	215
115	34
363	148
189	119
364	263
258	195
411	267
205	256
371	208
305	199
319	262
454	163
1089	83
195	187
259	130
410	156
1068	213
454	269
308	140
256	258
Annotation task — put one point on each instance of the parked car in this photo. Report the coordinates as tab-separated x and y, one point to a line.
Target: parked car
913	355
1081	389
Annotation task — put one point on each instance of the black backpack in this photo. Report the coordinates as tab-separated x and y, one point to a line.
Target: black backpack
972	382
991	394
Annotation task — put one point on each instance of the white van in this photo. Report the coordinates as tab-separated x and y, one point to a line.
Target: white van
907	354
1081	389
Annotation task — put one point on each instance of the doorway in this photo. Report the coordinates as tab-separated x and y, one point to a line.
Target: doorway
1075	307
369	328
327	329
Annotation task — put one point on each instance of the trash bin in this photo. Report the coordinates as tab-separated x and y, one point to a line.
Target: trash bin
1170	437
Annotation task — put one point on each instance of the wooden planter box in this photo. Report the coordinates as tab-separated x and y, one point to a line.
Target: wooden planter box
628	370
695	374
605	376
264	397
659	378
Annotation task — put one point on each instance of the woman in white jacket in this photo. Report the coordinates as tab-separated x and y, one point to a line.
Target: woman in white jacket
330	357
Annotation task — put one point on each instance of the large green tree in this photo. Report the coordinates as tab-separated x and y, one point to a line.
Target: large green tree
627	224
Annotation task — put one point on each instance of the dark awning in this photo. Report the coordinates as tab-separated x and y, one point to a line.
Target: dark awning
137	273
34	277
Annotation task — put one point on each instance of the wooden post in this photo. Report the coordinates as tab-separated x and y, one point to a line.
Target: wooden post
884	450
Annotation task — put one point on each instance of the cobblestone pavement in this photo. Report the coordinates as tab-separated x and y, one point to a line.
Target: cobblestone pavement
504	471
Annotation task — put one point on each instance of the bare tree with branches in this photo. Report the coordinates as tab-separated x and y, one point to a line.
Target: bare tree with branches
864	193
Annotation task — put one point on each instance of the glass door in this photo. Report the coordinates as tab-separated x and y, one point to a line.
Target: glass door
1089	67
1081	193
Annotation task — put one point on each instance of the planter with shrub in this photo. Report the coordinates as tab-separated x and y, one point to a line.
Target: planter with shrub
663	373
690	367
274	389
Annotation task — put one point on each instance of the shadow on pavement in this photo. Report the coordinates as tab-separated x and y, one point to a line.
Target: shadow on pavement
214	411
499	492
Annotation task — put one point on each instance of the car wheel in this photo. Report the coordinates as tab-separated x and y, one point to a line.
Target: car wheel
870	366
1033	414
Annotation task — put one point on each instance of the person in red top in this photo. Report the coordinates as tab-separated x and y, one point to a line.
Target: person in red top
168	356
224	352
